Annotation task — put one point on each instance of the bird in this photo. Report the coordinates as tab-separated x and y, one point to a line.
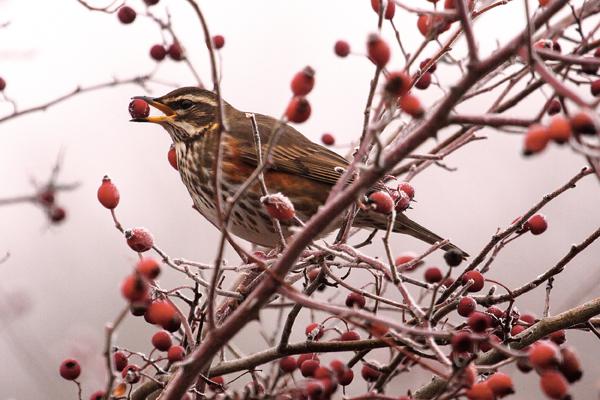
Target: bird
303	171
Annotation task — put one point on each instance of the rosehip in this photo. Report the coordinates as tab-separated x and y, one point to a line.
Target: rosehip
158	52
355	300
390	8
477	278
175	354
341	48
349	336
126	14
407	188
582	123
346	377
433	275
537	224
495	311
397	83
378	50
411	105
479	322
120	360
303	82
161	341
305	357
544	354
70	369
218	41
288	364
139	239
453	257
298	110
278	206
424	24
424	81
138	108
328	139
480	391
466	306
381	202
148	267
314	331
172	157
134	288
308	367
559	129
108	194
175	52
461	342
161	312
535	140
554	385
369	373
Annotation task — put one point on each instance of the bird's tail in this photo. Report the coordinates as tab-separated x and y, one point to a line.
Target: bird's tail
406	226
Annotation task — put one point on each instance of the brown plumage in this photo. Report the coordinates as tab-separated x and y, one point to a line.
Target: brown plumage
302	170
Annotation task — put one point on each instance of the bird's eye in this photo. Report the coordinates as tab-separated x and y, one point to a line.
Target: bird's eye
186	104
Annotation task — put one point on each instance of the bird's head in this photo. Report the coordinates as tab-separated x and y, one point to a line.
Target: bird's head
187	112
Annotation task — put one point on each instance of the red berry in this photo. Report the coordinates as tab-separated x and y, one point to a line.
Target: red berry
558	337
390	8
480	391
314	331
405	258
126	14
590	68
466	306
288	364
424	81
218	41
431	69
341	48
322	373
2	84
544	354
554	107
355	300
161	312
369	373
307	356
554	385
298	110
403	201
433	275
582	123
138	108
313	274
175	354
479	322
570	366
134	288
57	214
46	197
97	395
349	336
495	311
461	342
172	157
486	345
516	329
424	23
397	83
315	389
543	3
278	206
108	194
148	267
346	378
139	239
407	188
303	82
308	367
120	360
161	340
139	308
378	50
451	4
176	52
70	369
537	224
477	280
411	105
158	52
218	383
453	257
328	139
381	202
595	88
338	366
528	318
536	139
151	2
131	374
559	129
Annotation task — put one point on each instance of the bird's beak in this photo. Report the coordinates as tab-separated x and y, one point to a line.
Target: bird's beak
156	103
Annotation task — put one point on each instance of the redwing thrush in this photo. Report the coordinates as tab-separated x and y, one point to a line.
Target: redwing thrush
302	170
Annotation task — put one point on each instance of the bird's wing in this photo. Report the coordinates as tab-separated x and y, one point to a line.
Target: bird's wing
293	153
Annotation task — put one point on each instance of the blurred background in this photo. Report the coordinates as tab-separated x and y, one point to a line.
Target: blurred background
60	284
